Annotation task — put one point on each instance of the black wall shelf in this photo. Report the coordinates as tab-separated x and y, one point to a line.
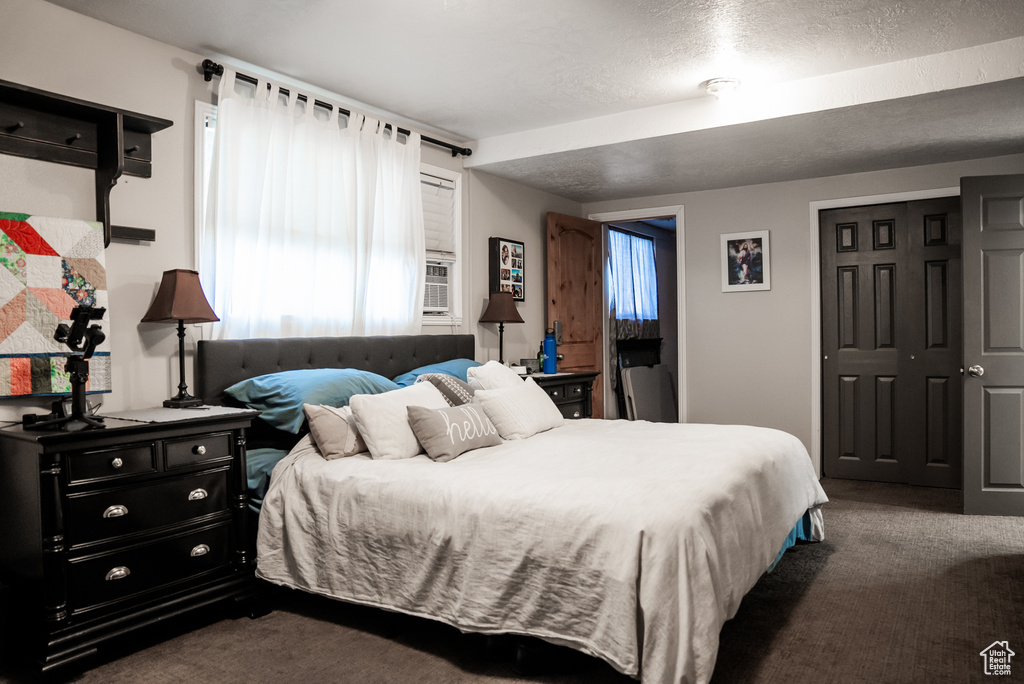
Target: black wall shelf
55	128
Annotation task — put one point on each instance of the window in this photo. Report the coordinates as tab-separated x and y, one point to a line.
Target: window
442	216
632	276
442	224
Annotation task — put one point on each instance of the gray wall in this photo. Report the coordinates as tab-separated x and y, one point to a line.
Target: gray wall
502	208
53	49
748	355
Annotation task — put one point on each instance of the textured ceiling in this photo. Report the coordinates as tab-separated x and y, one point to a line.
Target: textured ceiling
953	125
476	69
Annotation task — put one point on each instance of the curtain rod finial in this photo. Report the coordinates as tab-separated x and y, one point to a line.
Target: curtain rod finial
211	69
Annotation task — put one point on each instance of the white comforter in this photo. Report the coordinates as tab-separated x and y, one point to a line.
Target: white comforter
632	541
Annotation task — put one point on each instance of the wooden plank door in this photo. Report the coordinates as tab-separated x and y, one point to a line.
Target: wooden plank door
576	295
891	342
993	209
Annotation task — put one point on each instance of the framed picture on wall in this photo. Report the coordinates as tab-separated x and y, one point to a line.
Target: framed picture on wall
745	263
508	267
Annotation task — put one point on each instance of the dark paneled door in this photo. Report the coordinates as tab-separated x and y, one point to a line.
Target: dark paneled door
994	344
892	342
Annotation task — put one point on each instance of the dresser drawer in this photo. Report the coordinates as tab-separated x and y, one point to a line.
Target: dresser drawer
104	464
102	578
111	513
572	410
574	391
556	392
185	452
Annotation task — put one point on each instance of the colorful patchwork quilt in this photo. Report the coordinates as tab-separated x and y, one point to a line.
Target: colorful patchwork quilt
48	266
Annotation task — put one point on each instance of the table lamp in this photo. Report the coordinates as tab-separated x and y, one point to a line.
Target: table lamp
501	309
180	298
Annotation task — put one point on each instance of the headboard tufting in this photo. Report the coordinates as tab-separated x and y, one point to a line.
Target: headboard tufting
222	363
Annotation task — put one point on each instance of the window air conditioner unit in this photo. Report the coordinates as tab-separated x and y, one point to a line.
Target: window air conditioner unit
435	294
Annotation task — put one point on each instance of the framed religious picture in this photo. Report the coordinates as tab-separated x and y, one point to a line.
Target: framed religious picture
745	263
507	267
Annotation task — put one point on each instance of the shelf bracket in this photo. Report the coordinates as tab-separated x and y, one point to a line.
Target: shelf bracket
63	130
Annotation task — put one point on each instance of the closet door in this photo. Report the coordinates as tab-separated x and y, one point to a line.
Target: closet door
891	342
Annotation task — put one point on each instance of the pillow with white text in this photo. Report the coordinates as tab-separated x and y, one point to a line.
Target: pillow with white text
446	433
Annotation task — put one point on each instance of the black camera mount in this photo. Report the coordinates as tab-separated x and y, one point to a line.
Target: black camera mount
79	337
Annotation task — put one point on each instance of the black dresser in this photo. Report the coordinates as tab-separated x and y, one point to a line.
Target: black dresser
571	392
106	531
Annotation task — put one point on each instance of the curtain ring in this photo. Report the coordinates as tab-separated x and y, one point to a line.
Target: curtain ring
227	85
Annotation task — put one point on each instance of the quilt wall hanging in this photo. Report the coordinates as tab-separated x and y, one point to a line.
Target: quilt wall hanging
48	266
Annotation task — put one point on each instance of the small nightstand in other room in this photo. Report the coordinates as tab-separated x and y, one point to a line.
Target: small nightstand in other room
109	530
571	392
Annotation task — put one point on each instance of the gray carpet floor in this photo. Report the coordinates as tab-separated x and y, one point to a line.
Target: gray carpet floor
903	589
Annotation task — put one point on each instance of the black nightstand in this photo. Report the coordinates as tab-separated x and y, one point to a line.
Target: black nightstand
571	392
105	531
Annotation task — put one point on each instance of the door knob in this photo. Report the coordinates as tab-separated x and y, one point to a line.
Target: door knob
976	371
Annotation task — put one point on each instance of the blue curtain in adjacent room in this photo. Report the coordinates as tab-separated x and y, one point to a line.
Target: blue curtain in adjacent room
632	277
632	282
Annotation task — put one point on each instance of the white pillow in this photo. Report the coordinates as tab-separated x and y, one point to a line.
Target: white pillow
383	421
492	375
519	412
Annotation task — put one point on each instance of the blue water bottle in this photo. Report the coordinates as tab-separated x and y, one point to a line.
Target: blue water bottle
550	352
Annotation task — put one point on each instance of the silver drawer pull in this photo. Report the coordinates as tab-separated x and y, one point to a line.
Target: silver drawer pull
575	414
197	494
117	573
115	511
577	390
199	449
200	550
116	463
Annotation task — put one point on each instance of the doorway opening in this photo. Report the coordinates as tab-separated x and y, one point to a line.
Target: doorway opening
671	290
642	311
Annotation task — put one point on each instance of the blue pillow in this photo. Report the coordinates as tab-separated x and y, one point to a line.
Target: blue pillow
259	464
456	367
280	396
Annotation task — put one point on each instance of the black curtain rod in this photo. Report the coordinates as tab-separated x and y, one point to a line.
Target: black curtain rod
211	69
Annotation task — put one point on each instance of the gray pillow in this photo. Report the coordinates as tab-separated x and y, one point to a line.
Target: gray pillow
334	431
446	433
454	390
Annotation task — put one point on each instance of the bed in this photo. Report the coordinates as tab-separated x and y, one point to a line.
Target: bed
631	541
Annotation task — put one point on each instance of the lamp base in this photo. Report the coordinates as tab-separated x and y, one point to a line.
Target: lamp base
182	402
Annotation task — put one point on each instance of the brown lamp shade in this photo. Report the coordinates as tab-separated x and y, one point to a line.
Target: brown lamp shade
501	308
180	298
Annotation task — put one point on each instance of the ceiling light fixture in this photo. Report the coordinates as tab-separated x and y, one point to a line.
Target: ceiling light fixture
720	87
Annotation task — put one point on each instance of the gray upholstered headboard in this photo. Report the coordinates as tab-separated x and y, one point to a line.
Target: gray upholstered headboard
222	363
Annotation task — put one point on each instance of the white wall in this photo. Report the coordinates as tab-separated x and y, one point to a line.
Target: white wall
748	354
53	49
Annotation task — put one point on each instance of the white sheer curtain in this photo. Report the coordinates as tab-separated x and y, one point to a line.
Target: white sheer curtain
311	228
